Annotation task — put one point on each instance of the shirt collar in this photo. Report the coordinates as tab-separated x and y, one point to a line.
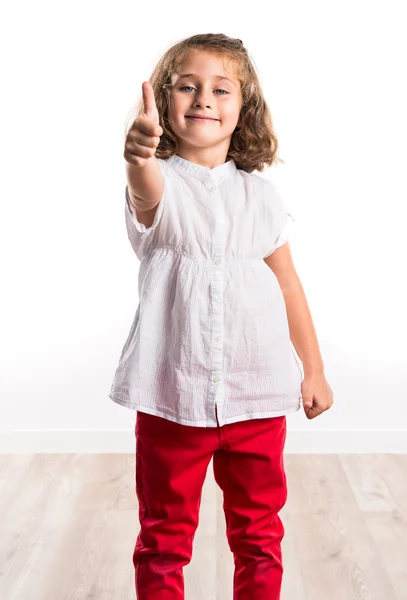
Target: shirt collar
223	171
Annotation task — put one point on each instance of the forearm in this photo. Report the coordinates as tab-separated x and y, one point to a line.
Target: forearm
146	184
302	330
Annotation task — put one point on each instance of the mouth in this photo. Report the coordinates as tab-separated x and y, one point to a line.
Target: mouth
196	118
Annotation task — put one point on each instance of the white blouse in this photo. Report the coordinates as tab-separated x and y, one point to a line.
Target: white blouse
211	327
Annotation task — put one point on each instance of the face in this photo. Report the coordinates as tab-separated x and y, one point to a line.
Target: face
211	89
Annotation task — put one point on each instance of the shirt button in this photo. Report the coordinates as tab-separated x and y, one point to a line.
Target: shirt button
212	189
220	221
216	378
217	339
217	261
217	298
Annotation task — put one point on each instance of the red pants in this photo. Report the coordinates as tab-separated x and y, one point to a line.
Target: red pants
171	465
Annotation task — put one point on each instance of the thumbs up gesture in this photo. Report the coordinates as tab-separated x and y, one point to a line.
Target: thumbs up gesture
145	132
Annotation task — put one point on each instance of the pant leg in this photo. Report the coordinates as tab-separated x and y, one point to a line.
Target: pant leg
171	465
250	470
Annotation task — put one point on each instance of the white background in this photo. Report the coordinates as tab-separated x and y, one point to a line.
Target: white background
333	75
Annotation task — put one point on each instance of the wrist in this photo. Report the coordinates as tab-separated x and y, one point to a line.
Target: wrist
314	370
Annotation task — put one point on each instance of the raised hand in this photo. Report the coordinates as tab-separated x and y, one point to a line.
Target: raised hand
145	132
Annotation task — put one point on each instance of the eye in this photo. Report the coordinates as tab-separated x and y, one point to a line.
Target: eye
191	87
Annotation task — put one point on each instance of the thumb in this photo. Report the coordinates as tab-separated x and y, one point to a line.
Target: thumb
307	402
150	107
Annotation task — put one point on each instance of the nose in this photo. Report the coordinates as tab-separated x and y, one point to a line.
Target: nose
202	98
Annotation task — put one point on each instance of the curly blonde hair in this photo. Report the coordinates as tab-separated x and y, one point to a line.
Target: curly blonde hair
254	143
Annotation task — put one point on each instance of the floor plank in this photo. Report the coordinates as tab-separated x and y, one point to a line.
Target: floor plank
69	523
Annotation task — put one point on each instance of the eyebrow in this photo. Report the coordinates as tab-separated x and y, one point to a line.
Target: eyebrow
215	76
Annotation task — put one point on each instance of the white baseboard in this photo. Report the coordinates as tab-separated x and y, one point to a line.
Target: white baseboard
298	441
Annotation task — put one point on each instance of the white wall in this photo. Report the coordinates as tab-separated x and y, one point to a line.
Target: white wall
333	75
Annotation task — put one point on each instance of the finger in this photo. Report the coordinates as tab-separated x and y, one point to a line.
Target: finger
144	125
310	414
150	107
313	412
137	136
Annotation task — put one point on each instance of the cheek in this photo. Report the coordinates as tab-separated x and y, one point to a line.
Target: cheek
230	117
174	115
231	111
177	110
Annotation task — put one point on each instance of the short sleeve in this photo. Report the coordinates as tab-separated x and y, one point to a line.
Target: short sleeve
286	232
279	222
141	237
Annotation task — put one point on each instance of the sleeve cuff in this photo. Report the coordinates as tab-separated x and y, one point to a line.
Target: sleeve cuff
285	234
141	228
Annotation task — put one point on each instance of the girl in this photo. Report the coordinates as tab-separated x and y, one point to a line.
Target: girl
208	364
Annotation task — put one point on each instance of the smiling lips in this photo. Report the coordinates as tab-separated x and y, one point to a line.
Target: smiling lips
199	118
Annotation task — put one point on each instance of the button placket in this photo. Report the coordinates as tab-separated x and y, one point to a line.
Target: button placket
217	285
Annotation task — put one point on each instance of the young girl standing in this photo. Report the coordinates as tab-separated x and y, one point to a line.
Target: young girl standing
208	363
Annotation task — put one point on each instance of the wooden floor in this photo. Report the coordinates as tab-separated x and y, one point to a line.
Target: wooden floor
68	525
